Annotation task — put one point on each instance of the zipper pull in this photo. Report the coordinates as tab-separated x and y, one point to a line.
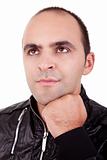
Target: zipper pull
44	141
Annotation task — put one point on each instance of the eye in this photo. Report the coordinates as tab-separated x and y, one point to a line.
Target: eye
63	49
33	51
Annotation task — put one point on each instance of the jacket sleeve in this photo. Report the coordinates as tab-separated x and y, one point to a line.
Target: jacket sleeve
76	145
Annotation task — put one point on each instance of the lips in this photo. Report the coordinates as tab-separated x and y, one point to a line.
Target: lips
47	82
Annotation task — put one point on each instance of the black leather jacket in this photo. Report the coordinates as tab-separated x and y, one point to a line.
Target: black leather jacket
23	135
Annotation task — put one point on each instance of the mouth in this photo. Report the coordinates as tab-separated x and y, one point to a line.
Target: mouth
47	82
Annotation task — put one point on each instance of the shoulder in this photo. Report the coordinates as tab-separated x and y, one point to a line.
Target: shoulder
97	108
9	121
15	107
98	114
9	115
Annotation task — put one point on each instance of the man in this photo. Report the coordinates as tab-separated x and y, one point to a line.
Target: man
59	121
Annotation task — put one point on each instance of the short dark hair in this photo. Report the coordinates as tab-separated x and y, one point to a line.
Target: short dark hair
83	28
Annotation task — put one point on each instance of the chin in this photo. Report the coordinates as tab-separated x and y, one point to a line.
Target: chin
43	103
46	100
46	97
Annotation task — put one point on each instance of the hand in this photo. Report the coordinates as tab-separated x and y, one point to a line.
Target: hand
64	114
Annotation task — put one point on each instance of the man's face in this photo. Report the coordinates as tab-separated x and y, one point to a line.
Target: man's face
54	57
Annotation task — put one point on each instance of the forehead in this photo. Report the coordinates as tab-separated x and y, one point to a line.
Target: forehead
52	26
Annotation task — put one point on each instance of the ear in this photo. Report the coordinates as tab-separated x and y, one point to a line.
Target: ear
89	63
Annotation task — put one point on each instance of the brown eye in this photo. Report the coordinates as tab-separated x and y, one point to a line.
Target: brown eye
62	50
33	51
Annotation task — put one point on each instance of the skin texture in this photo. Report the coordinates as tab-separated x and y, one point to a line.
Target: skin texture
54	62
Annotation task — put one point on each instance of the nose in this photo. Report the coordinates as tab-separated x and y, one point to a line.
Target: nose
46	65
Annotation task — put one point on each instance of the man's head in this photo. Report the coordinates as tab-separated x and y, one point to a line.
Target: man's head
56	54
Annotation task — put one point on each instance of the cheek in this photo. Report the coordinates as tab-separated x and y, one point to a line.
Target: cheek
73	70
28	72
30	67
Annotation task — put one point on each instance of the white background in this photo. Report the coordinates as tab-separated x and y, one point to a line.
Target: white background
14	15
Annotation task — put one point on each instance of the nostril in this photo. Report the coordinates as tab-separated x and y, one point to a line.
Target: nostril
50	67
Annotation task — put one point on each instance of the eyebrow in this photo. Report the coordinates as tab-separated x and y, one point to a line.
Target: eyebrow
58	43
31	45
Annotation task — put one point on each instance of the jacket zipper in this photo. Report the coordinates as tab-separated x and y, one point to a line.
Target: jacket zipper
17	129
45	135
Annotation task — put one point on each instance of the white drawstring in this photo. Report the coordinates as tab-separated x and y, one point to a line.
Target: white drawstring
17	130
44	140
